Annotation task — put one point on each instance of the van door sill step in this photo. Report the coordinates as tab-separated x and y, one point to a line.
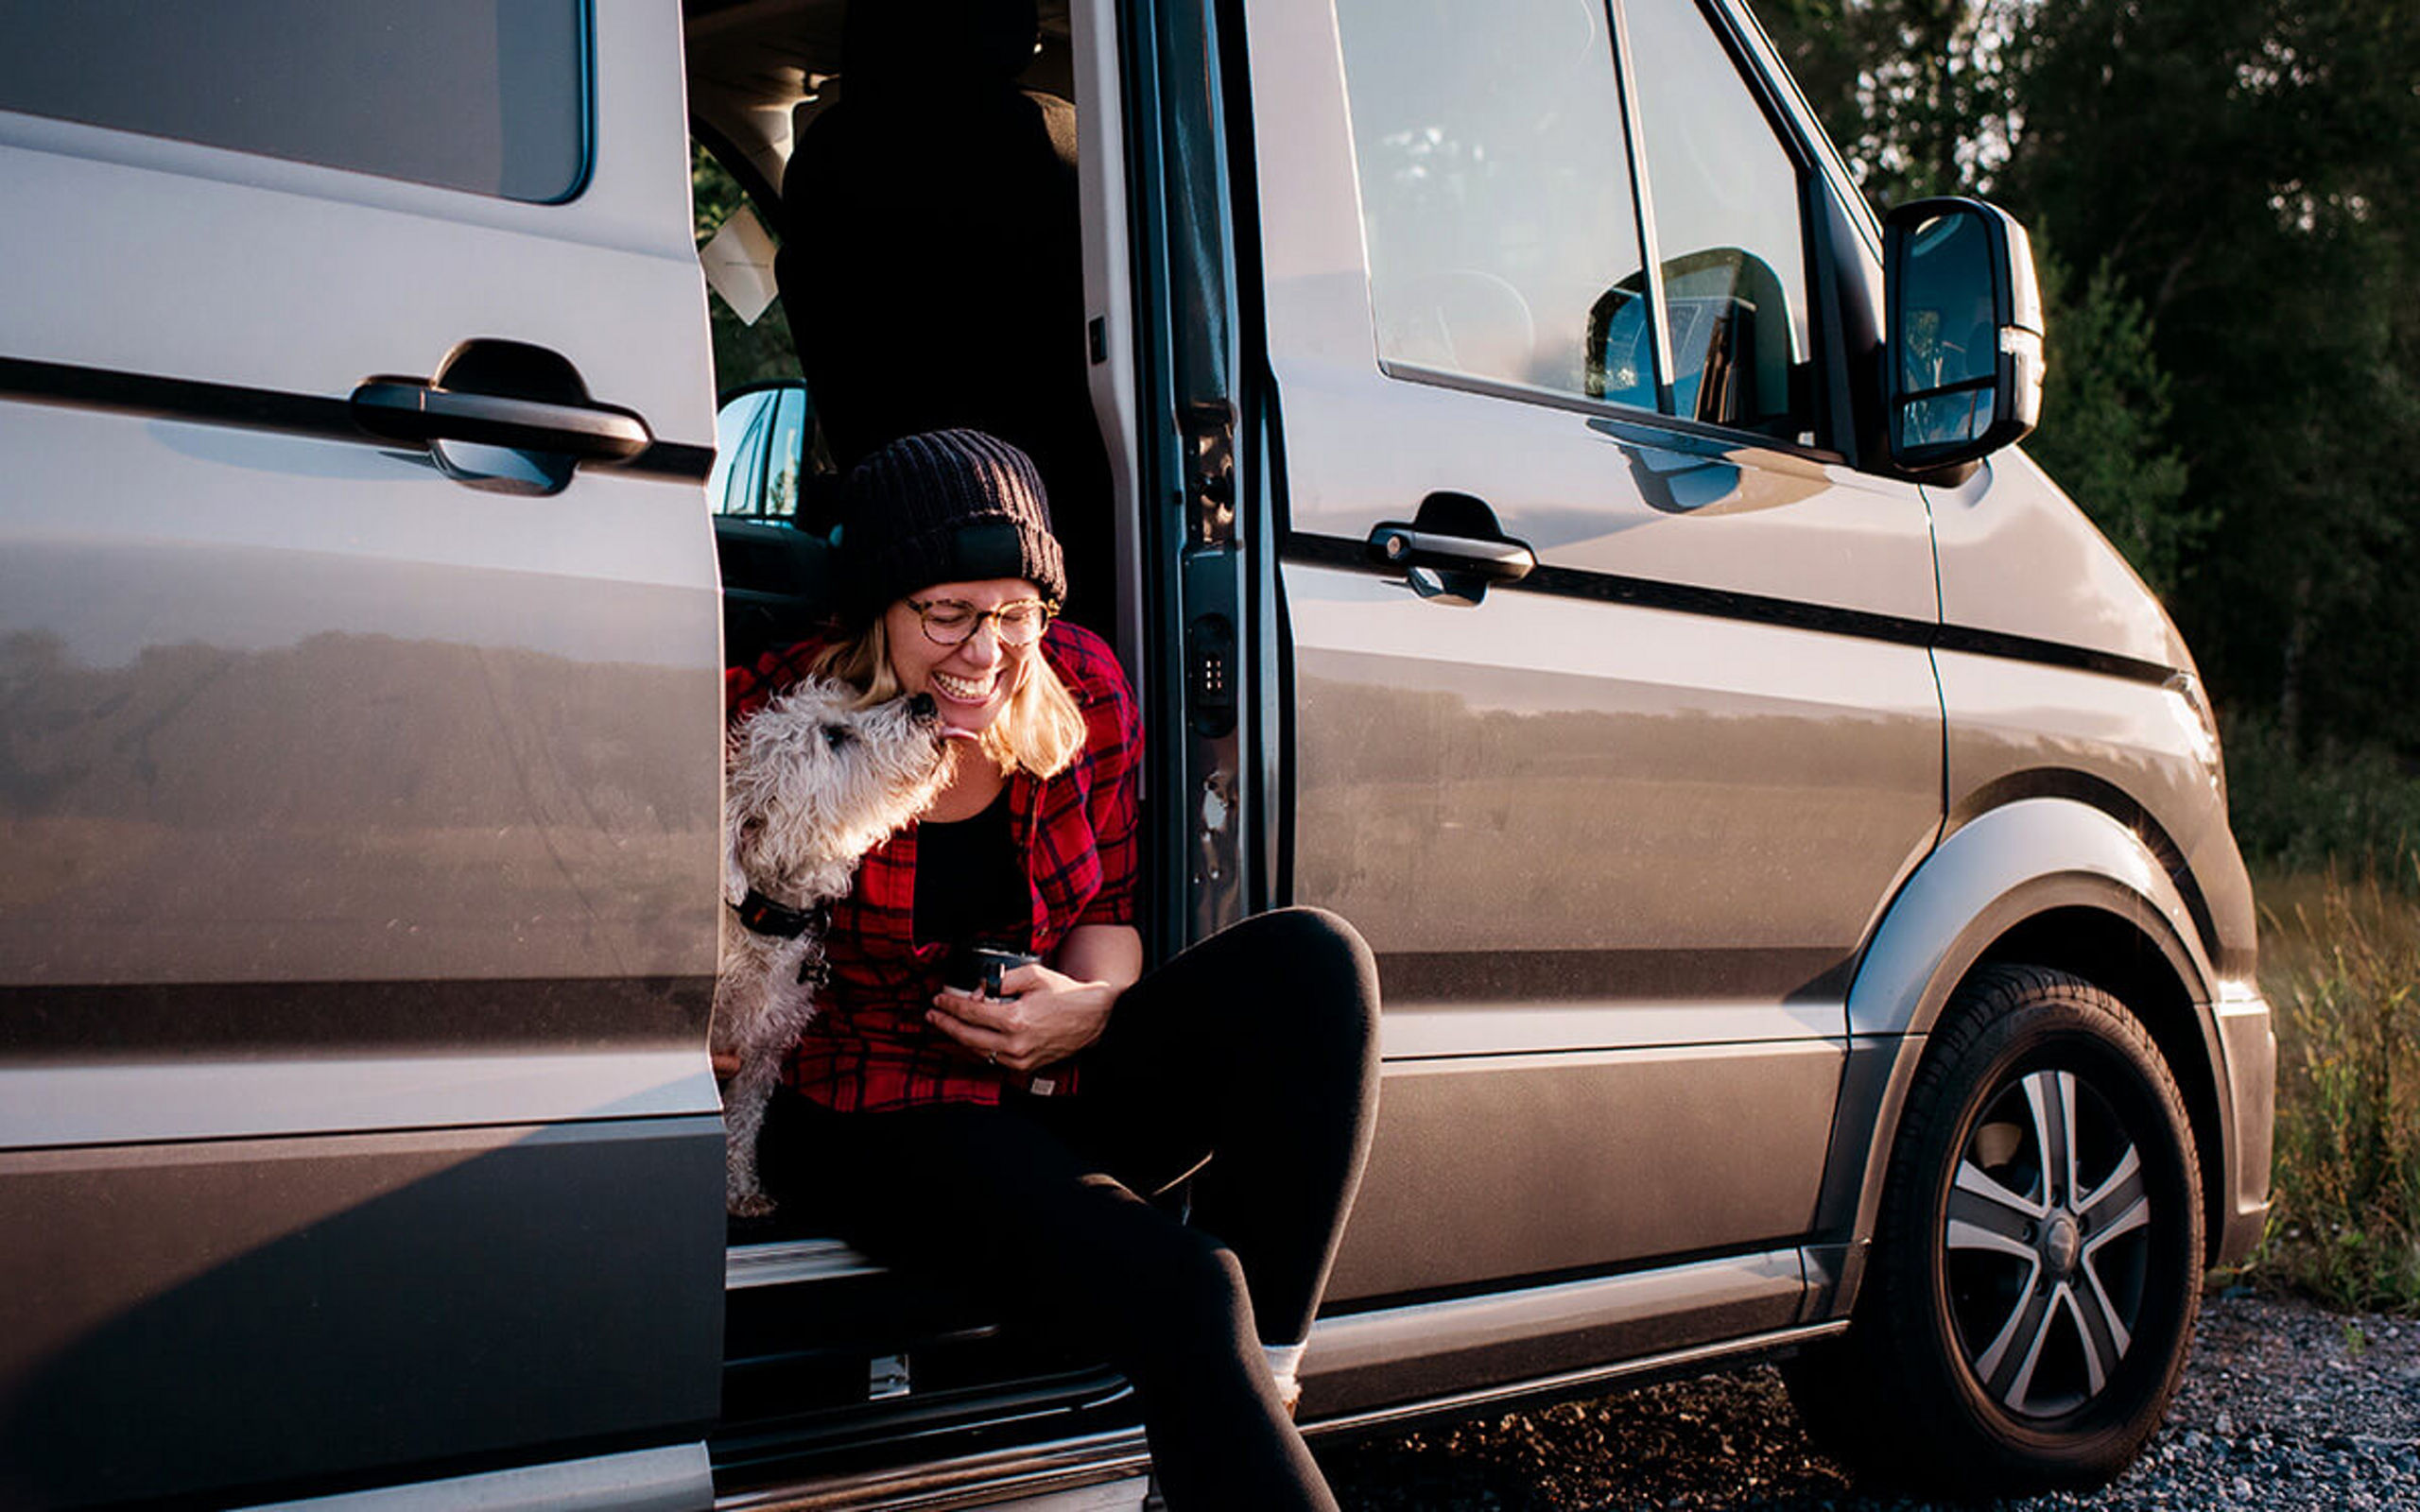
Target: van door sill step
1093	1460
786	1261
973	1480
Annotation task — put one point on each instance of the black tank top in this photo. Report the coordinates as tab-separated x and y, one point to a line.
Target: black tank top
970	881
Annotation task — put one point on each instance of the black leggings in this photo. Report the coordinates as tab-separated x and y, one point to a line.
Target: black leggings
1256	1051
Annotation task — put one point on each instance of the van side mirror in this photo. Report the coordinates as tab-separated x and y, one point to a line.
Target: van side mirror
1965	332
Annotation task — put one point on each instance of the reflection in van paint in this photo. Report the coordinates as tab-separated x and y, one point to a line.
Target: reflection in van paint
351	806
1552	1163
352	1274
1440	823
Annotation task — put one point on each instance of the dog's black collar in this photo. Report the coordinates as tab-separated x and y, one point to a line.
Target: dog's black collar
762	915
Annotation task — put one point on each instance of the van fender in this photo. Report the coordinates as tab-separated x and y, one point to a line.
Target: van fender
2008	865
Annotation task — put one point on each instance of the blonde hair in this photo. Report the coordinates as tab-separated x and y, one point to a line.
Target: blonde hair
1041	731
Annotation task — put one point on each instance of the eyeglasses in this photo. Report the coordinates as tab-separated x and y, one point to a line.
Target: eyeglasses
949	622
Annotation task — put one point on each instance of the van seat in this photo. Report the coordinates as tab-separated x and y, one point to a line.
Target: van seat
932	259
776	585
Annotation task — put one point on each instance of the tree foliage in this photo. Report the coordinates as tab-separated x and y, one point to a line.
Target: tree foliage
744	354
2234	393
2106	416
1916	93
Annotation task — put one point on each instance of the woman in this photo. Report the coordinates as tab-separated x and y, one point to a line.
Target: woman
1008	1147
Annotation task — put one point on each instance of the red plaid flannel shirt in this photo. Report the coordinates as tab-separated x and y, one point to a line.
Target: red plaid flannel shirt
871	1048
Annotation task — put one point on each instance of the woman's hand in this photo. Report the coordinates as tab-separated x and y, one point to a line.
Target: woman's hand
1043	1015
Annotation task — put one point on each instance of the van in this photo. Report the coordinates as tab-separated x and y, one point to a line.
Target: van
1795	843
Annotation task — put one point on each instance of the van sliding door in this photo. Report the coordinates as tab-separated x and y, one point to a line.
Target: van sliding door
358	653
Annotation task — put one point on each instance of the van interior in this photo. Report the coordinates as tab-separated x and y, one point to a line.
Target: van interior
917	162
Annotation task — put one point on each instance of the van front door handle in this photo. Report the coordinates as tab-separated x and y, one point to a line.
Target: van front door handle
1452	551
414	409
1498	561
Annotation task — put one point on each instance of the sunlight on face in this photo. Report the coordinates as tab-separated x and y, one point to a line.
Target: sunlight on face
971	682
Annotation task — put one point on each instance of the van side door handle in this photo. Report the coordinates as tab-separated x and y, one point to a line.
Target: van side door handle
503	416
414	409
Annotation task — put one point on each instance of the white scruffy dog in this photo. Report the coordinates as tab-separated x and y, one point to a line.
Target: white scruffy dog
811	784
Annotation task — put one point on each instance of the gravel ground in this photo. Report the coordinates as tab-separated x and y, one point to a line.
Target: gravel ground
2282	1407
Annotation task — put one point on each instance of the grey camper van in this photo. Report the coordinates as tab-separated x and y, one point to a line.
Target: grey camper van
1548	519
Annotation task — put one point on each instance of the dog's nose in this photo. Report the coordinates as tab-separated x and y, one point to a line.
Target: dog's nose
920	706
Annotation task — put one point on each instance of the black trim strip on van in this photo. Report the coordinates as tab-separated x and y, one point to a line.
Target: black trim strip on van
269	409
152	1019
1976	642
1756	608
674	459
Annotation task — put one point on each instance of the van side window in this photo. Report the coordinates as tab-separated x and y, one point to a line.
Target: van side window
759	444
487	95
1727	216
1496	205
1495	195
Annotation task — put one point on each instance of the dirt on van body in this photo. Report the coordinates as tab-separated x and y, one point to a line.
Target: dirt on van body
2284	1406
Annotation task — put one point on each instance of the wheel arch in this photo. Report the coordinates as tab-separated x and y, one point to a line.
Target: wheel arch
2045	882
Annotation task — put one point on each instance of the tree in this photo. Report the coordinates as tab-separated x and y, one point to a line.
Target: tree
2104	418
2236	166
1915	92
2232	173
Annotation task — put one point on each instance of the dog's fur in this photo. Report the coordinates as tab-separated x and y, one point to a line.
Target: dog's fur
811	784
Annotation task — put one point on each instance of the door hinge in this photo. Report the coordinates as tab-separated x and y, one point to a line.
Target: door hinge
1210	472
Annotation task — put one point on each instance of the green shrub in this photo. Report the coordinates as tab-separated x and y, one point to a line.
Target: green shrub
2343	979
2354	810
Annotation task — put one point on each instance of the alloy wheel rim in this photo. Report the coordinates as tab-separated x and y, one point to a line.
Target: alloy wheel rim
2046	1245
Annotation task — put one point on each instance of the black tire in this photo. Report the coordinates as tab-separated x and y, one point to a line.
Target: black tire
2024	1318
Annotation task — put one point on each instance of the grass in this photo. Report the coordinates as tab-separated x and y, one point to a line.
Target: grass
2340	965
2333	835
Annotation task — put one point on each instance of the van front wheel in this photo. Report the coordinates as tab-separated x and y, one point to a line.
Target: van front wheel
2036	1265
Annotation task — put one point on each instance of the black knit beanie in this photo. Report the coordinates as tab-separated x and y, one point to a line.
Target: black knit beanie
954	506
